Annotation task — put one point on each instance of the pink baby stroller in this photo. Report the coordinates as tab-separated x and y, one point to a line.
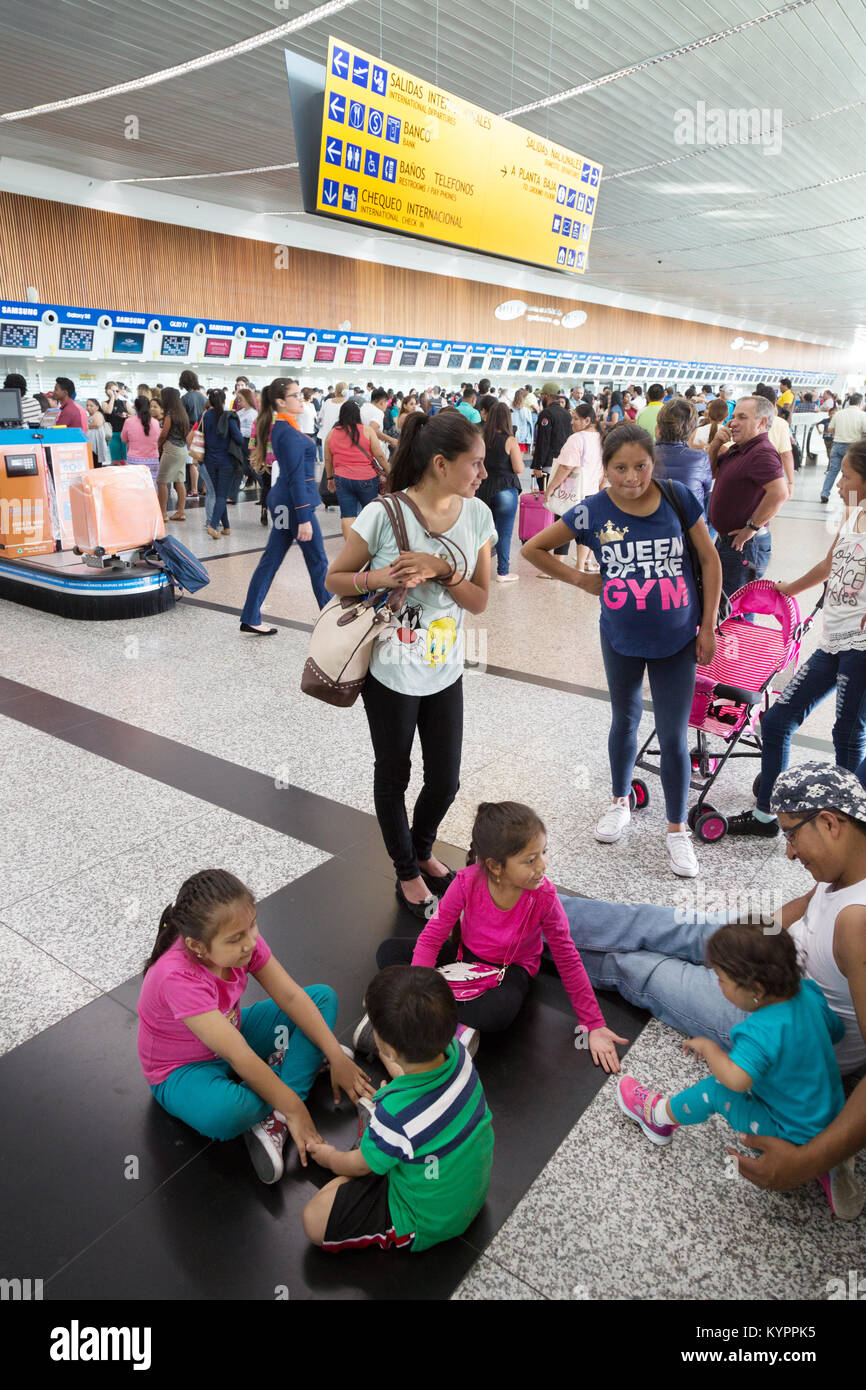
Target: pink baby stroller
732	693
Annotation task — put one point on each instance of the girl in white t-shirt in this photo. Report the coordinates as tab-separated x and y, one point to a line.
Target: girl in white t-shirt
838	664
416	674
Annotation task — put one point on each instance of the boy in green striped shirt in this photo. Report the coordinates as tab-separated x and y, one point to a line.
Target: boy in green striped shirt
422	1170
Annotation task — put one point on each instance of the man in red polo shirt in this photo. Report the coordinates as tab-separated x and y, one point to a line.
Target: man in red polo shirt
749	489
72	415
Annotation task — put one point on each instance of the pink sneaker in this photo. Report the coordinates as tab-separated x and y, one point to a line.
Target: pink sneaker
265	1146
637	1102
844	1191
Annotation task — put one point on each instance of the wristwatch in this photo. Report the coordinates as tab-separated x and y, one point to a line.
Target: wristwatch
752	526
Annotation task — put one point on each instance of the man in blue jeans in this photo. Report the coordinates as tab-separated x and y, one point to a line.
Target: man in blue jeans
749	489
654	956
847	427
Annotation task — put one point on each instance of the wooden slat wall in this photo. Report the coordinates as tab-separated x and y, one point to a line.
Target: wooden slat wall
101	260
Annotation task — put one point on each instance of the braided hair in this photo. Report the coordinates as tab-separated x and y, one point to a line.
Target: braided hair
195	911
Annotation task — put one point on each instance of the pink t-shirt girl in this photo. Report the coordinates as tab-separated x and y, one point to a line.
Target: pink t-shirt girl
178	986
140	445
583	450
515	937
351	460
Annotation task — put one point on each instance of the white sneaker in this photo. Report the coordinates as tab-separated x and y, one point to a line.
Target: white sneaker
613	823
507	578
682	855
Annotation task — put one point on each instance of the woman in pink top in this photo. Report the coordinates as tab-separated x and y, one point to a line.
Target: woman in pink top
577	472
140	434
509	909
350	450
224	1072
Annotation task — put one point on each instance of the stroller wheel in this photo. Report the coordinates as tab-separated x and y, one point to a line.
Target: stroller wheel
711	826
698	810
756	784
639	795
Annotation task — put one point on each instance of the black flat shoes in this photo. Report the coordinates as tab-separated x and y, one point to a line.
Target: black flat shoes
423	911
259	632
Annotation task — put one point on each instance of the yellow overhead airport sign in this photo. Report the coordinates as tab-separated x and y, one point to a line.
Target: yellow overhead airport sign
403	155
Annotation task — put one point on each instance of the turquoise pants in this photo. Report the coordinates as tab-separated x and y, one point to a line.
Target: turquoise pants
211	1099
743	1112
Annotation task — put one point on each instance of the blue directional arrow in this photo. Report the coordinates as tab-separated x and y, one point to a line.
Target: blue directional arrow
333	151
340	63
337	108
330	192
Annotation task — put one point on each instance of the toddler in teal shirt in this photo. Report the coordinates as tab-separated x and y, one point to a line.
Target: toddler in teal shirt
781	1076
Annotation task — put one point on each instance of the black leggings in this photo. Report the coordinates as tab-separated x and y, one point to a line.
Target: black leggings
494	1010
393	719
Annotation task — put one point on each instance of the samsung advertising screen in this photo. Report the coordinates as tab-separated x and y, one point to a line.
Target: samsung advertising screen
257	349
174	345
355	355
292	352
382	357
591	368
18	335
496	364
455	360
577	370
641	370
325	352
127	342
549	366
433	359
476	363
408	359
514	364
76	340
532	364
217	347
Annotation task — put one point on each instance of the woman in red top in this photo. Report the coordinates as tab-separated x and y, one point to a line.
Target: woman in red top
350	450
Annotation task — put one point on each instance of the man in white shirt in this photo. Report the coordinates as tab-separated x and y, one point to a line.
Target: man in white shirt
373	414
847	427
531	399
638	400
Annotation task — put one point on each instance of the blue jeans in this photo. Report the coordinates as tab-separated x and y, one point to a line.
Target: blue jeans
222	477
353	494
205	1095
210	495
504	508
672	683
276	550
846	672
740	567
837	453
653	956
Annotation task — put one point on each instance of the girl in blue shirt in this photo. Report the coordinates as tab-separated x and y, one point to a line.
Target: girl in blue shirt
649	618
781	1076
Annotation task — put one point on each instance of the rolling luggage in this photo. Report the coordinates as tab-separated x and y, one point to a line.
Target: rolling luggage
532	515
114	510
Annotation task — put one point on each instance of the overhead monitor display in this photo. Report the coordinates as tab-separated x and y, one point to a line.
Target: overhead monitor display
591	368
355	355
174	345
127	342
76	340
292	352
476	363
18	335
640	371
532	364
514	364
433	359
496	364
257	349
456	360
408	359
564	367
550	365
217	347
618	369
577	369
382	357
325	352
403	155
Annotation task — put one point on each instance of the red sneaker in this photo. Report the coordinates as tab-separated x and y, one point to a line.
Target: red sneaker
265	1143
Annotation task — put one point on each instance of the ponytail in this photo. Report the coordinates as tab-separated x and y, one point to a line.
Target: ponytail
422	437
194	914
265	420
142	410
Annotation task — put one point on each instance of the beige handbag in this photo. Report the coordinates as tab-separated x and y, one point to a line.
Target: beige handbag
341	645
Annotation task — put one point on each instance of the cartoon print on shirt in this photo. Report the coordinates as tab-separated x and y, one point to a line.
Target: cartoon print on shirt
410	641
441	637
847	574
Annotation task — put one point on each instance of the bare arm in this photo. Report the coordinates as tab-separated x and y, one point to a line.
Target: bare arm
514	454
538	551
377	451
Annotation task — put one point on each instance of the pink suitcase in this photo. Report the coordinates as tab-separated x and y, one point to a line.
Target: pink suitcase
115	509
532	516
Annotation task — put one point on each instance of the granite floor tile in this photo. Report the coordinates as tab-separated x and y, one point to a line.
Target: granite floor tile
36	989
489	1282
